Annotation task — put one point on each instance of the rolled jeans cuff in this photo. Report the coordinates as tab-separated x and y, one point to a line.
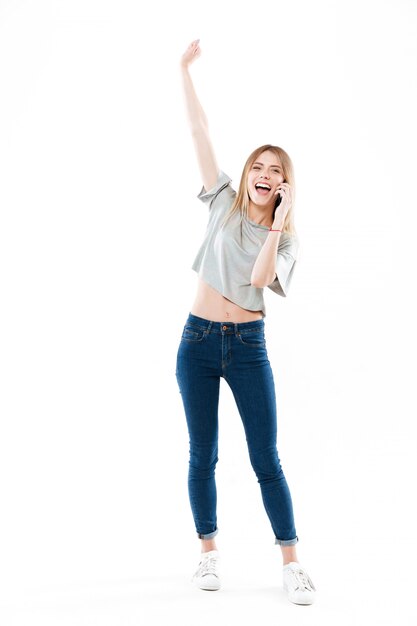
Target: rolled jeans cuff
209	535
286	542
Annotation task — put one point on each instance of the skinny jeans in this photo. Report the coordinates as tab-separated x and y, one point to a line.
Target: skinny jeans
236	352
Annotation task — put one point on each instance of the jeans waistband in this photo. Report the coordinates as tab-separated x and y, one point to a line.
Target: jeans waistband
225	327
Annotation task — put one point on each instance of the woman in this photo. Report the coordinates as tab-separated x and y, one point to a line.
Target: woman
250	243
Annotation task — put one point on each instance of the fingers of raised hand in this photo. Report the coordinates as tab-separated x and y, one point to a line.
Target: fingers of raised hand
192	52
194	47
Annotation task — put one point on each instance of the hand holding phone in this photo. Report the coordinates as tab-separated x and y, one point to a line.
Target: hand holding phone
282	203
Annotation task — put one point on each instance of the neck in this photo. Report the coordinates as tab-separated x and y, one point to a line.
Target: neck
260	215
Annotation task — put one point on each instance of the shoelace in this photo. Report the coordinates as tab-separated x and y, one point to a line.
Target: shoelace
207	566
303	579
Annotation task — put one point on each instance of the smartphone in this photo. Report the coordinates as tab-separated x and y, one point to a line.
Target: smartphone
277	201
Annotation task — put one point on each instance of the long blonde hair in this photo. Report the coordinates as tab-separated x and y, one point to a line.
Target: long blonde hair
241	202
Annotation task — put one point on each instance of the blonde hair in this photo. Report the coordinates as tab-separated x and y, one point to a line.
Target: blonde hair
241	202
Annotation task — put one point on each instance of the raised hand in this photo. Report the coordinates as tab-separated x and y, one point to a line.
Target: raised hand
191	54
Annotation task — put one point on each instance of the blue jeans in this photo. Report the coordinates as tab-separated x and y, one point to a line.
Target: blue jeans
236	352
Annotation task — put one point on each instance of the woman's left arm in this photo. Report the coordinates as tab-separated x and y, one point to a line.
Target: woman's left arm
264	269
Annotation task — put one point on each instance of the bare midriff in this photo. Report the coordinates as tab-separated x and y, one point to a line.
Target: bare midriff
211	305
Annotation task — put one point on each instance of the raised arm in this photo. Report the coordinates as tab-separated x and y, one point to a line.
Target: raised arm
198	120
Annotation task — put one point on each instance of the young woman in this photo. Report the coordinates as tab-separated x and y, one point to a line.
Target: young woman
250	243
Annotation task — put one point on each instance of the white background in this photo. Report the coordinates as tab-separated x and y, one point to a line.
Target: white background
99	227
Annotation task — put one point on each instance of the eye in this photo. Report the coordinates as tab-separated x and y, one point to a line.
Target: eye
256	167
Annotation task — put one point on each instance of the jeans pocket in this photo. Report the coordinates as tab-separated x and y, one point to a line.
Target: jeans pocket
193	334
253	338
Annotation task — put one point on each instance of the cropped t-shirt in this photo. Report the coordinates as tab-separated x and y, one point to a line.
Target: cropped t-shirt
226	257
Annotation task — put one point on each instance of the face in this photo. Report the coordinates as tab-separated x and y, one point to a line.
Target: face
266	169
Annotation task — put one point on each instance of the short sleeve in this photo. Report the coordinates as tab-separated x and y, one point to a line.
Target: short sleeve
208	197
286	260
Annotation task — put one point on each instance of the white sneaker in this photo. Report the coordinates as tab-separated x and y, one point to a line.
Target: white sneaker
298	584
207	575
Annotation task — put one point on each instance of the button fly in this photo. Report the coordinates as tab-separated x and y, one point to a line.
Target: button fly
224	327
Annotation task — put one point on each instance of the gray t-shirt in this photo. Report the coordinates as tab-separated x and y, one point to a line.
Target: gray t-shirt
226	257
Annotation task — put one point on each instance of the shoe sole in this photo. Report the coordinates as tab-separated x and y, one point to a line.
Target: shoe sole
206	587
301	603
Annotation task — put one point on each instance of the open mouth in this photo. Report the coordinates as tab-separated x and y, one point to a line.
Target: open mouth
263	189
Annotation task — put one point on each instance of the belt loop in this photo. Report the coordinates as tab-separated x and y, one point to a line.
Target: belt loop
209	326
236	328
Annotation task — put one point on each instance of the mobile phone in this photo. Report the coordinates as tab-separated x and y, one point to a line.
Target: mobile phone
278	201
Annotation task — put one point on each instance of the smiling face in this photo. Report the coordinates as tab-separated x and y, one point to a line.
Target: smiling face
265	172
